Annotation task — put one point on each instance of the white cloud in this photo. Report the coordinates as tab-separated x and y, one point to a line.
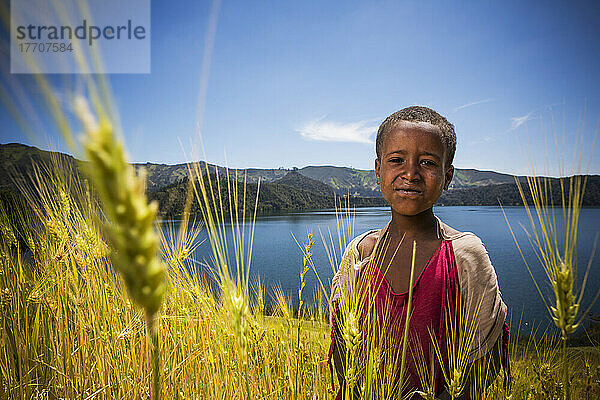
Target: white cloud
518	121
486	139
472	104
330	131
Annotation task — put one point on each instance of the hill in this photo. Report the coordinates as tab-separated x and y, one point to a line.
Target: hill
281	189
466	178
345	180
273	197
364	183
18	163
297	180
507	194
15	157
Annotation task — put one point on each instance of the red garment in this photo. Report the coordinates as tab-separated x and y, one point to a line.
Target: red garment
434	292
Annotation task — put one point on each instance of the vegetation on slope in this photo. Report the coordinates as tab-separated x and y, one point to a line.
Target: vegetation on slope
273	198
285	190
507	194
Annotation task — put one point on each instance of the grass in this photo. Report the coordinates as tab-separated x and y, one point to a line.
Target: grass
69	328
556	248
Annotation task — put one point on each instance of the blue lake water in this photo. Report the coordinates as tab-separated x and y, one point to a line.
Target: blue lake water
277	259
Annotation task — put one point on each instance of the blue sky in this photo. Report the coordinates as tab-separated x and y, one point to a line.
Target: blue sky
300	83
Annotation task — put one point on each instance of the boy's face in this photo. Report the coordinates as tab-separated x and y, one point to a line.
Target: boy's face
412	170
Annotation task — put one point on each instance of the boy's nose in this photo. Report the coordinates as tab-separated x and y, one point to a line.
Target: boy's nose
411	172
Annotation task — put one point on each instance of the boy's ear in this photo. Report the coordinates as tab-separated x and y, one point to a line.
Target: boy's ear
377	169
448	176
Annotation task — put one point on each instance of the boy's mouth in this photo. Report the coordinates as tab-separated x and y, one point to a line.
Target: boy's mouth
409	191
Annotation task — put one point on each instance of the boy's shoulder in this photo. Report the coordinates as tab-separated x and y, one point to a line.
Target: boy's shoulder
366	244
462	241
472	259
479	288
362	245
449	233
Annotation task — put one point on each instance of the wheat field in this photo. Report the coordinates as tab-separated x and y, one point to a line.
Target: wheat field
70	329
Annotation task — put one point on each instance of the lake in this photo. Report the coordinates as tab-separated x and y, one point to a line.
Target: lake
277	259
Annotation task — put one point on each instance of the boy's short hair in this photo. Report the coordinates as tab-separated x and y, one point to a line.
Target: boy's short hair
419	114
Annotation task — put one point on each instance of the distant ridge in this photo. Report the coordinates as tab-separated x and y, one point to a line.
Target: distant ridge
464	178
295	193
17	163
343	180
285	189
299	181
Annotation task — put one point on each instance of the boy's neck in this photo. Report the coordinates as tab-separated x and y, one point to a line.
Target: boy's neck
422	224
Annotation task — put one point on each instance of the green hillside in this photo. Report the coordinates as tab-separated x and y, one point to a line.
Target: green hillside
281	189
273	198
16	157
345	180
464	178
507	194
161	175
299	181
17	163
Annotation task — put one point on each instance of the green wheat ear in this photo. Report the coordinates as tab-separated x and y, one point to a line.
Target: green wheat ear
129	217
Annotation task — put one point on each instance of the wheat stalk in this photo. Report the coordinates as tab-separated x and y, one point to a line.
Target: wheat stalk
129	223
234	287
558	258
460	334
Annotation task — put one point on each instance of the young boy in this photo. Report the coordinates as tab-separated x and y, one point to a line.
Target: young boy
415	148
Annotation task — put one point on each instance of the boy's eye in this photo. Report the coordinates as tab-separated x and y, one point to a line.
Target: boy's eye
396	160
428	162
